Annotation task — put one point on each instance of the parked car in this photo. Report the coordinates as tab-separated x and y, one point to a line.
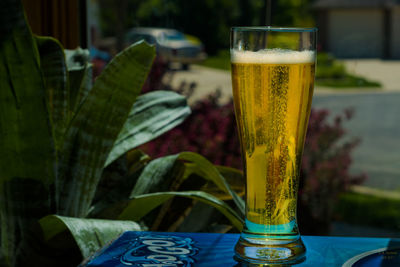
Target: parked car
171	45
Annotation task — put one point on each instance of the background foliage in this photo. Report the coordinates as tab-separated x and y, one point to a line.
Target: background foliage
209	20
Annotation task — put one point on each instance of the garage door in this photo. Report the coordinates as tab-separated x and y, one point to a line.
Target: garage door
356	33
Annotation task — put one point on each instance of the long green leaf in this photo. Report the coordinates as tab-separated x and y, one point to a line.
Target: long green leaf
233	177
143	204
80	76
110	195
26	142
152	115
52	63
96	127
157	174
89	234
210	172
2	260
136	160
27	201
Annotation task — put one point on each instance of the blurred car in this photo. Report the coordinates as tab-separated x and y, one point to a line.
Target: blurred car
171	45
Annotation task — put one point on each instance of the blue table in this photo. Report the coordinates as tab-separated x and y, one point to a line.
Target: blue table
153	249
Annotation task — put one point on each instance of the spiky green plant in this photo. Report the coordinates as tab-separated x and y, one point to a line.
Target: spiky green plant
57	134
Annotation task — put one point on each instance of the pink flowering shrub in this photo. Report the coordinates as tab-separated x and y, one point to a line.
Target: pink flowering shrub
325	170
210	131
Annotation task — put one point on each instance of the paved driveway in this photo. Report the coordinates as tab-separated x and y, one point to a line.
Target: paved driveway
387	72
377	122
207	81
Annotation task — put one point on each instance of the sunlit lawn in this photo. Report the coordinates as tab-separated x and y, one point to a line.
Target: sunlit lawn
219	61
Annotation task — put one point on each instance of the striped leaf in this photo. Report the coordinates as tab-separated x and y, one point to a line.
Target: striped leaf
152	115
142	204
96	126
111	196
26	143
27	200
90	234
234	178
80	76
157	175
211	173
52	63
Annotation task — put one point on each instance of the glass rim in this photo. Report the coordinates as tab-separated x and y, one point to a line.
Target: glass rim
274	29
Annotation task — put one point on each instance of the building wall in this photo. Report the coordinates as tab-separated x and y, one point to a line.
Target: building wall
356	33
395	44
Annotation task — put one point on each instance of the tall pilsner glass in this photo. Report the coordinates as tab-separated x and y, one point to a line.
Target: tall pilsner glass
273	80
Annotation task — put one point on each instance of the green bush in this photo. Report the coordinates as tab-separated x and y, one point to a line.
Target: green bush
222	61
332	73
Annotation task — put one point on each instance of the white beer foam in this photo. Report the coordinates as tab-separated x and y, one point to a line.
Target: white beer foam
273	56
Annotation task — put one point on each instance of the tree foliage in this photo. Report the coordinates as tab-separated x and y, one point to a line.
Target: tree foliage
209	20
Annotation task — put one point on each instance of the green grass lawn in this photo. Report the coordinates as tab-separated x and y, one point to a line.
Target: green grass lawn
368	210
330	72
221	60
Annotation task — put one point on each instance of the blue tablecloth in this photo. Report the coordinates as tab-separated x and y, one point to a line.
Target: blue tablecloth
198	249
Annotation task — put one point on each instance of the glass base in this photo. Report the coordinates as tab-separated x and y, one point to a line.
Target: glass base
258	250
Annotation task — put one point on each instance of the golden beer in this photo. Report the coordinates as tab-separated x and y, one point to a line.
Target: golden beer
273	80
272	94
